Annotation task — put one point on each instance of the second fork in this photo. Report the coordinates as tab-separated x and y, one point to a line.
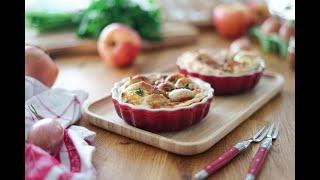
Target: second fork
259	157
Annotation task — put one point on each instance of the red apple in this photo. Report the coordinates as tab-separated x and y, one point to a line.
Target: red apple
231	20
258	10
119	45
39	65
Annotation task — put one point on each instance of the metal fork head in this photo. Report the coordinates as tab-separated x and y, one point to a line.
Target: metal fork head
259	135
273	131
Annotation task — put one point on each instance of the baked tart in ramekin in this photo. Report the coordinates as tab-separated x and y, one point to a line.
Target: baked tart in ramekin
161	102
228	73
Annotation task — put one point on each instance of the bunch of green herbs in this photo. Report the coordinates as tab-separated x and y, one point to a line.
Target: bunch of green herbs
89	22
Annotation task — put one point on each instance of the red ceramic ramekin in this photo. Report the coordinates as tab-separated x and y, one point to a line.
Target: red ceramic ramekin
228	84
164	119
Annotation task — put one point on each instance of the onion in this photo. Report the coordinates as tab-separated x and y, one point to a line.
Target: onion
47	134
39	65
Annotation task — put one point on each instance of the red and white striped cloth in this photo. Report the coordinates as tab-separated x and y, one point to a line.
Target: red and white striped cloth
74	158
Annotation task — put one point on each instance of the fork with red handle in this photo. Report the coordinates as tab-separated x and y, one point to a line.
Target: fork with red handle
261	154
226	157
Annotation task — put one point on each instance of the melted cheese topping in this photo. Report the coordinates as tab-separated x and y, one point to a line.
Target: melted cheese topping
165	91
220	62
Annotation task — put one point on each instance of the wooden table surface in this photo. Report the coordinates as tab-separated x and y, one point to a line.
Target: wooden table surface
118	157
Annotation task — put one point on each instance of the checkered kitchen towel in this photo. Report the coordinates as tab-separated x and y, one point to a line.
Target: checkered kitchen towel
74	161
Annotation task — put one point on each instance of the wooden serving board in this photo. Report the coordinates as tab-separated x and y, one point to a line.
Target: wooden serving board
174	34
225	114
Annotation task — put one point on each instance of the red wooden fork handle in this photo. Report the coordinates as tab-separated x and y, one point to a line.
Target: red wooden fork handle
258	159
222	160
257	162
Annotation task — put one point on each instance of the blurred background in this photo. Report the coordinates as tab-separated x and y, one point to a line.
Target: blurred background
198	11
61	26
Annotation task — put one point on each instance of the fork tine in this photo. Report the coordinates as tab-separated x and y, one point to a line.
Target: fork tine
262	135
258	133
270	130
276	131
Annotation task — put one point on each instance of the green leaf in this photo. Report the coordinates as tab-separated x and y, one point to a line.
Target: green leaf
139	92
186	86
145	22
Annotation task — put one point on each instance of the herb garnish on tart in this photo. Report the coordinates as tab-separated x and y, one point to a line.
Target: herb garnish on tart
161	91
